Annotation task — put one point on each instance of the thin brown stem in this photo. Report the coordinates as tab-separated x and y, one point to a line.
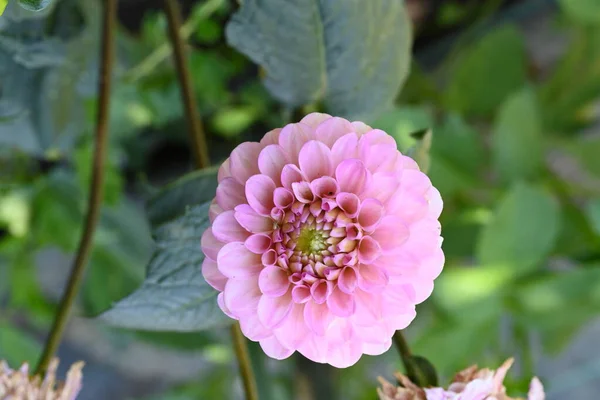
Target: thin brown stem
195	129
96	187
243	357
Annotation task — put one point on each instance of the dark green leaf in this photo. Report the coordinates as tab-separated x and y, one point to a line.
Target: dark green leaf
318	49
522	231
423	373
34	5
17	346
174	199
593	214
517	139
487	72
174	296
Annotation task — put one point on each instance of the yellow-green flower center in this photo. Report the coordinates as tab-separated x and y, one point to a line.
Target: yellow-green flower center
311	241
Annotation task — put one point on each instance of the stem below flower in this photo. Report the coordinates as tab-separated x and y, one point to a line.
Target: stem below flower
195	129
96	188
241	352
405	353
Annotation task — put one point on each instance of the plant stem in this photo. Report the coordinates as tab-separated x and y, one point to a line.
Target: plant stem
405	353
200	150
195	129
96	187
241	351
159	54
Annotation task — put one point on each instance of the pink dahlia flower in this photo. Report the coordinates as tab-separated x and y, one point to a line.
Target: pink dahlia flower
323	239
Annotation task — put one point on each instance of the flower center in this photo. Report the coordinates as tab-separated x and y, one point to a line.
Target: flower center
311	241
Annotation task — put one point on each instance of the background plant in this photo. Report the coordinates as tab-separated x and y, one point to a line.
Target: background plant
513	153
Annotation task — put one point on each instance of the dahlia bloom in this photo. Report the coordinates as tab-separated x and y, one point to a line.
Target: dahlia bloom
323	239
469	384
18	385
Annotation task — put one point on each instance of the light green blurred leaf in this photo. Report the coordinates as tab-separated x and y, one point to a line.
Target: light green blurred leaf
586	150
488	71
232	121
517	147
522	231
317	49
403	120
174	295
174	199
420	151
593	214
584	11
17	346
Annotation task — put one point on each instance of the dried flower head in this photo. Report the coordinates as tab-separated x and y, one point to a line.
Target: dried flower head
323	239
18	385
469	384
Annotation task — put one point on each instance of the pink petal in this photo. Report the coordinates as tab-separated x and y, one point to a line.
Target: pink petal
344	148
349	203
214	210
332	129
271	161
224	170
340	303
291	174
252	328
320	290
273	348
317	317
435	203
230	193
348	280
382	187
293	137
269	257
315	160
372	278
251	220
259	192
227	229
375	137
223	307
368	250
273	281
283	198
315	349
241	296
303	192
410	206
271	137
314	119
391	233
236	261
352	176
273	310
371	213
379	158
300	293
210	245
348	351
244	161
293	331
212	275
258	244
536	390
361	128
325	186
375	349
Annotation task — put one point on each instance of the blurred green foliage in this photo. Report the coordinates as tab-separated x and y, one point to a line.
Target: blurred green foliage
514	154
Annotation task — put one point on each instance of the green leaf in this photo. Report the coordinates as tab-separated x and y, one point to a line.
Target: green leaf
174	199
318	49
400	122
17	346
174	295
3	4
523	230
423	372
517	138
34	5
584	11
420	151
593	214
487	72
